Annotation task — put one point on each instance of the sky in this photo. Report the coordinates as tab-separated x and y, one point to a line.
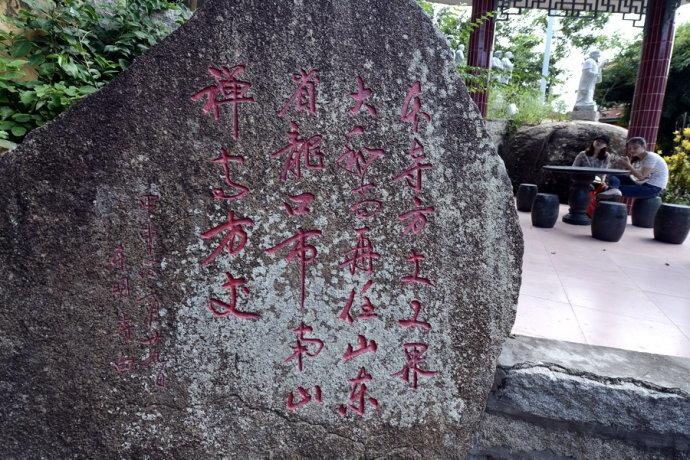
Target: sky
572	65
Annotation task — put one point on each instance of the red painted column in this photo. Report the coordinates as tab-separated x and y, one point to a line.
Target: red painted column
657	44
479	53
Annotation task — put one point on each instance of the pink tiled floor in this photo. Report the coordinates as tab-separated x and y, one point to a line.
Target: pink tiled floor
634	294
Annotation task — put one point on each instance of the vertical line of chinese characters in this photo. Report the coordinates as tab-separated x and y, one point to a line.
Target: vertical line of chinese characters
415	221
361	257
150	342
122	291
228	89
300	153
148	274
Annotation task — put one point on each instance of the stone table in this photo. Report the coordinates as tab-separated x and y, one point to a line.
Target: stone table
579	191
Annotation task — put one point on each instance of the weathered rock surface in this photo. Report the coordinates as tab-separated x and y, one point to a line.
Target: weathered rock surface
532	147
134	324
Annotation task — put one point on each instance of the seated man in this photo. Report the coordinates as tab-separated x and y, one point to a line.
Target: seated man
648	173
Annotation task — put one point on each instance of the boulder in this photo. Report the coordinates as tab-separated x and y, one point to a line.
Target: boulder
532	147
283	232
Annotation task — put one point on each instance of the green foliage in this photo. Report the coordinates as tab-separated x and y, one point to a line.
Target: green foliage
581	31
523	35
426	7
67	50
619	77
457	27
531	110
681	48
678	189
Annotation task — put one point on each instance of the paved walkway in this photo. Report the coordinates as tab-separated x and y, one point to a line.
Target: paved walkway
634	294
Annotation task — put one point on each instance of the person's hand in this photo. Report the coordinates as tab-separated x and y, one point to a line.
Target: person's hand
626	163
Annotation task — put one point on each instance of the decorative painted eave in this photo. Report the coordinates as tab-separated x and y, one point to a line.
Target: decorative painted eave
632	10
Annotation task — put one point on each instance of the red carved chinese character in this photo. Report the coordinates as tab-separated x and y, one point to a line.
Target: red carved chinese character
361	95
148	235
358	161
124	329
124	364
224	159
416	150
304	97
152	339
153	357
118	259
154	307
415	278
306	398
234	241
148	202
358	395
302	252
298	150
301	346
148	269
414	353
303	201
411	114
227	90
364	347
362	255
416	218
368	308
160	379
414	322
365	208
413	174
221	309
122	289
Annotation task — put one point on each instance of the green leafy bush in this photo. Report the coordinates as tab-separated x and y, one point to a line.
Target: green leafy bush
62	51
678	189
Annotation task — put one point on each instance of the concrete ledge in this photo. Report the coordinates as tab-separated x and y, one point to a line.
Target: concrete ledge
556	399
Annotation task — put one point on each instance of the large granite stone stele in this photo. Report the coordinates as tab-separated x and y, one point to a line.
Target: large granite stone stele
108	342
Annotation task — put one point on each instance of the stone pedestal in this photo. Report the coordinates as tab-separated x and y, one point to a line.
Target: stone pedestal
579	200
588	113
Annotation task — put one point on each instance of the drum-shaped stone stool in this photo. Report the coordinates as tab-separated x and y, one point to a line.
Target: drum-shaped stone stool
672	223
609	220
525	196
644	210
545	210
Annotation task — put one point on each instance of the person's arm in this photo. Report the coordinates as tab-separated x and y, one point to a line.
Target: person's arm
643	172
